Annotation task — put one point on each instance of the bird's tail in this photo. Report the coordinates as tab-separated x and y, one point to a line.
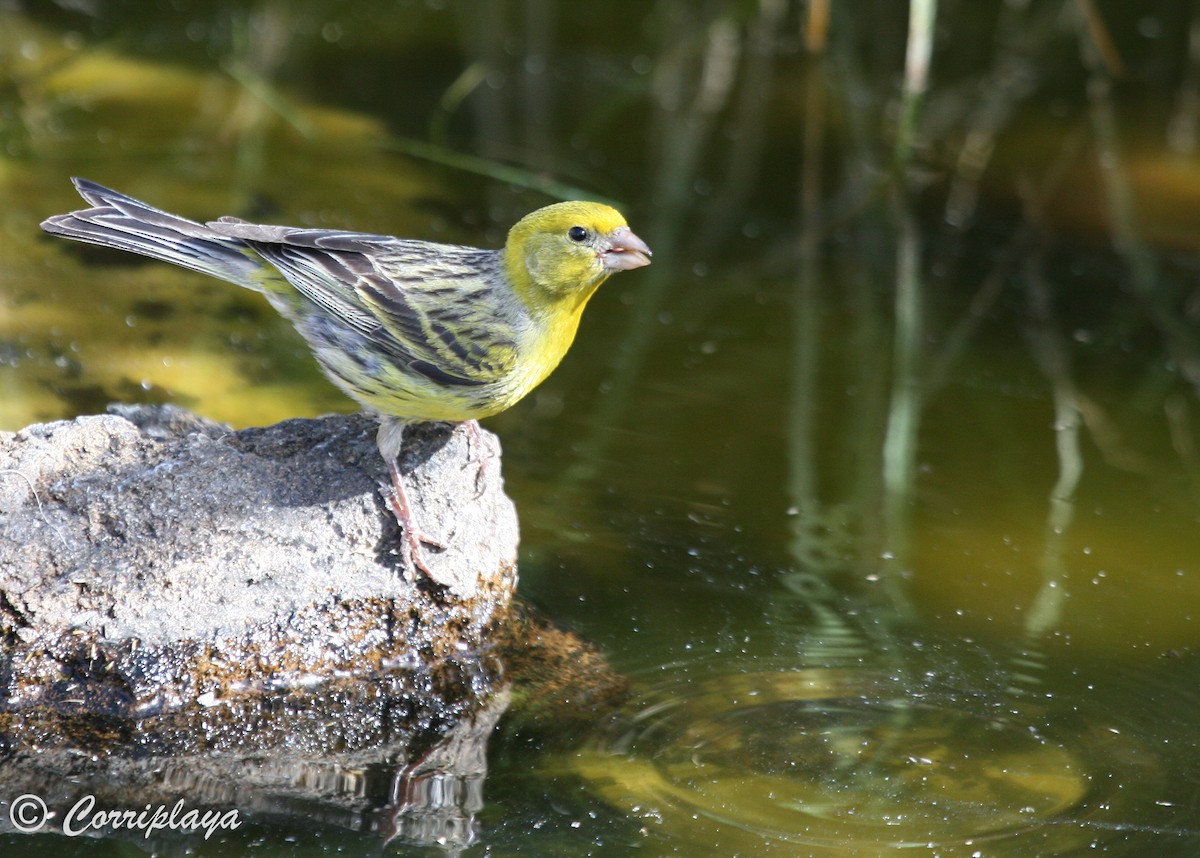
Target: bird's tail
128	224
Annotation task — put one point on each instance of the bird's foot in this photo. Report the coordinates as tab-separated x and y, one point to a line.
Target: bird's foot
476	443
412	538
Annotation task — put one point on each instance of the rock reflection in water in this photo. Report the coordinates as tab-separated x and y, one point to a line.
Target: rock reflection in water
400	756
385	769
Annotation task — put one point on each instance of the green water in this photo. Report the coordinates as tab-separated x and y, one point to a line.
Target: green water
882	483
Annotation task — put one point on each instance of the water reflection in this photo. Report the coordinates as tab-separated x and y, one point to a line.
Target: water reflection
423	787
956	401
765	758
391	755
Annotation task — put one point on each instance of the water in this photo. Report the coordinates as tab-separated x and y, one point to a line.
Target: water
891	564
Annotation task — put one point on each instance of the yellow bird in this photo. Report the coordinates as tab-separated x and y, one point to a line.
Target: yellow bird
414	331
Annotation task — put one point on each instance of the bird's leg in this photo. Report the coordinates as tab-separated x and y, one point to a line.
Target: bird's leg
390	440
413	538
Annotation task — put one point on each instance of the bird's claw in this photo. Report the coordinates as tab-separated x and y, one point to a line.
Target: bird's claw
411	539
412	554
475	443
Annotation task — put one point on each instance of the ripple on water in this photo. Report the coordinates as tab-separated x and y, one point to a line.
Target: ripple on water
850	762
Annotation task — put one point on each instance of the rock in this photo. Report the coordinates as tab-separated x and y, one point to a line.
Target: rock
151	558
196	619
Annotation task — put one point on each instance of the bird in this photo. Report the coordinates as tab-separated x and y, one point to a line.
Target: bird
414	331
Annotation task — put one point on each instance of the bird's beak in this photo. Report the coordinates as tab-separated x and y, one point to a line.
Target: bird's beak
625	251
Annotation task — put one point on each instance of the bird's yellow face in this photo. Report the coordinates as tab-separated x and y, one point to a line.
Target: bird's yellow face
558	255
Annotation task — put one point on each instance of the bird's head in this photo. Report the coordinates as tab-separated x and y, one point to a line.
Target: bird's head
561	253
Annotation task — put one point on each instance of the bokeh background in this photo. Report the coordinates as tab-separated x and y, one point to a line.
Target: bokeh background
882	483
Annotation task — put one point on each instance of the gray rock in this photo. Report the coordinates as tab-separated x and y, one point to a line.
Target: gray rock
192	614
151	558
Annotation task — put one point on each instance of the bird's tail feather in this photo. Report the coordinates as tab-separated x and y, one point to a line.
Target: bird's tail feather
127	224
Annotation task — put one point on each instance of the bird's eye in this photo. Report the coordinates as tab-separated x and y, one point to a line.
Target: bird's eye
577	233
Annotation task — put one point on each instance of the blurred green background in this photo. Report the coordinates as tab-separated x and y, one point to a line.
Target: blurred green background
882	483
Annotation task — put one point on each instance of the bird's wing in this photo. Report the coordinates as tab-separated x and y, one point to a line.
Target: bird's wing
435	308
